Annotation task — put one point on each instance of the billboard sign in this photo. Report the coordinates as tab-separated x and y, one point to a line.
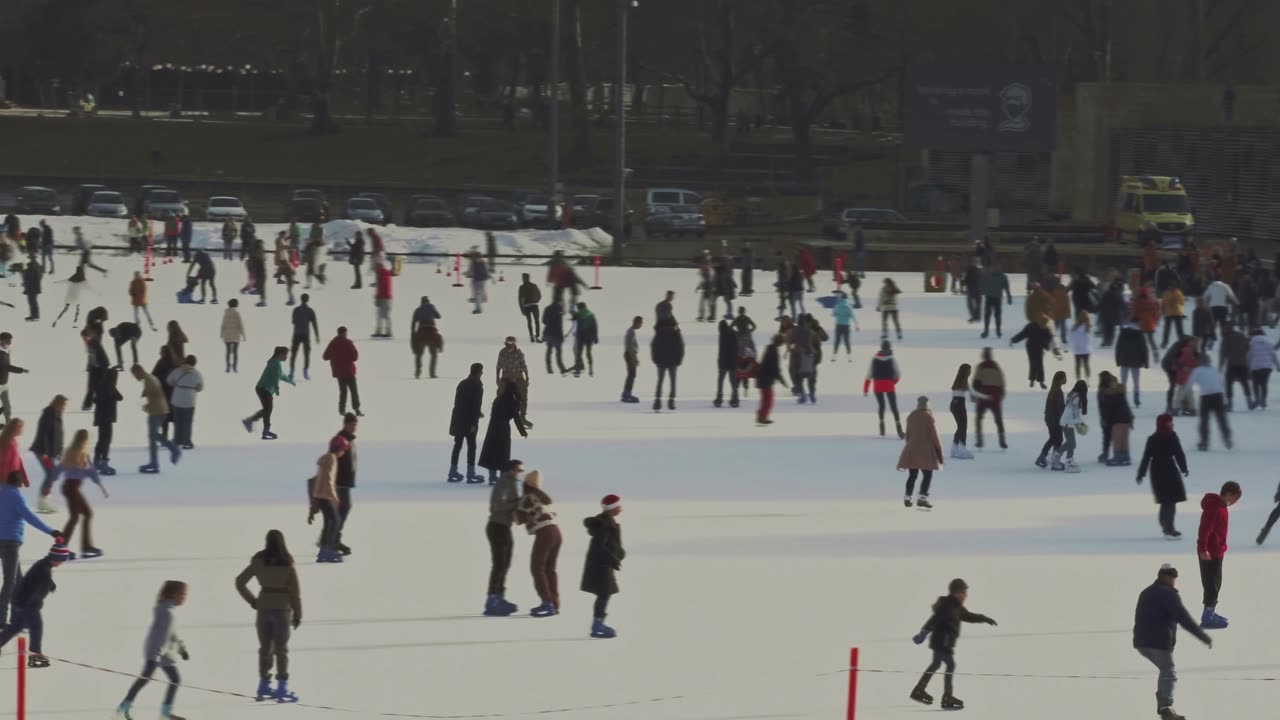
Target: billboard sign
976	108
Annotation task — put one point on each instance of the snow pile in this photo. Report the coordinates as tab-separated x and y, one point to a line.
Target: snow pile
337	233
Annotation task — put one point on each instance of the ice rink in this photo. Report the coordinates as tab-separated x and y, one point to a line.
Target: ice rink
756	556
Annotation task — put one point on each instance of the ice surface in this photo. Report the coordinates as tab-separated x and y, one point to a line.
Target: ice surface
756	556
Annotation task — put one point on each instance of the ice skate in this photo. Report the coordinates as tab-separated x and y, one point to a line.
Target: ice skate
149	469
1120	460
264	689
960	452
268	435
923	503
906	501
1262	536
919	695
328	555
657	404
601	631
901	435
1070	466
671	403
733	402
1056	463
122	711
546	609
717	402
283	694
951	702
455	476
1210	620
44	506
1168	713
341	548
1041	462
474	478
37	661
90	553
248	425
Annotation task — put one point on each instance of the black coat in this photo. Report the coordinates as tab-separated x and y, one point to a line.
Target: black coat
727	358
1164	456
770	370
48	439
7	367
35	586
345	471
105	399
944	625
467	402
1111	306
723	282
604	555
496	450
1131	349
667	348
356	256
1113	407
1156	618
1054	403
1038	339
32	279
552	324
1202	322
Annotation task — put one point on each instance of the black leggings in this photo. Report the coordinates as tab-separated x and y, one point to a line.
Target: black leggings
924	486
303	341
233	355
268	404
601	605
470	439
170	690
1261	378
102	451
1054	442
1035	361
893	405
531	319
940	658
960	411
1082	361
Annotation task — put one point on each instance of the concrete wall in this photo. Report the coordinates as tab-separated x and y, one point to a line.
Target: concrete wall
1101	108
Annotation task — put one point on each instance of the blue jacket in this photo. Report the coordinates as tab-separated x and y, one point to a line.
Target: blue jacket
15	515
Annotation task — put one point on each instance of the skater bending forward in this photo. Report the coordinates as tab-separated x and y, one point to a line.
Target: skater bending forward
943	630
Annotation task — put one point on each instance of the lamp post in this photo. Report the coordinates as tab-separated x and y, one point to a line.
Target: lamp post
620	136
553	113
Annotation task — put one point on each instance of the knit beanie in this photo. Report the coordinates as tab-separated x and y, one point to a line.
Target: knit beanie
957	585
610	502
1167	570
533	479
59	552
922	402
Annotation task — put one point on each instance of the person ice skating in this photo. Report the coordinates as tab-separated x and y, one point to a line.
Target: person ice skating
747	265
1202	324
107	397
1081	334
1055	402
1038	303
156	406
922	453
267	388
1144	310
586	333
322	490
1220	297
1211	548
667	352
726	365
15	515
882	377
464	423
529	297
278	604
424	336
807	340
1117	420
532	512
96	363
631	357
553	336
75	285
32	286
382	301
1168	464
1233	359
744	326
994	283
1061	306
75	466
28	601
232	333
479	274
604	560
186	382
973	290
942	629
138	299
989	388
6	367
47	447
512	368
1038	339
562	277
343	447
355	257
305	325
172	230
1074	411
887	306
85	246
1212	387
960	413
495	452
342	355
723	286
1155	626
316	257
1111	311
845	320
1132	355
229	233
161	650
1262	360
503	499
125	332
1172	306
46	245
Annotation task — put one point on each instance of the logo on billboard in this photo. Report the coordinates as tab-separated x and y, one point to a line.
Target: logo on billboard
1015	103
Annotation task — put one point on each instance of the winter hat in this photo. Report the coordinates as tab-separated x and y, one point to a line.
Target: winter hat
1164	423
1167	570
610	502
957	585
885	346
922	402
59	551
533	479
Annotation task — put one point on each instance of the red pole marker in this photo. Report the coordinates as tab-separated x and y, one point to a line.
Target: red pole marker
22	678
853	683
597	286
457	270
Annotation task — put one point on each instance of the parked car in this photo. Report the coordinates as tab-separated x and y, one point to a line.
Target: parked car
594	211
539	211
161	204
430	212
35	200
675	221
365	210
851	217
469	206
308	194
660	197
496	215
413	202
80	200
222	207
307	210
106	204
140	200
384	204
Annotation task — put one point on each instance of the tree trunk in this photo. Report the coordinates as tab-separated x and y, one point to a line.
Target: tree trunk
322	122
444	101
802	141
579	116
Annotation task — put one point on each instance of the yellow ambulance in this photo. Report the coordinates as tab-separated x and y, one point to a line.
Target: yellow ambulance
1153	207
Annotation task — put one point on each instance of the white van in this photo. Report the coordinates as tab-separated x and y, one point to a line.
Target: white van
659	197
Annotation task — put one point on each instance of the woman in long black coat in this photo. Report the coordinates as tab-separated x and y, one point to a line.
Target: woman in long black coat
604	559
496	451
1168	466
355	256
667	350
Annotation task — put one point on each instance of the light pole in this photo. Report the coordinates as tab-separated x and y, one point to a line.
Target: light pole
553	114
620	136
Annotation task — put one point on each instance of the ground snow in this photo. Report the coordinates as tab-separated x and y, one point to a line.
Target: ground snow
756	556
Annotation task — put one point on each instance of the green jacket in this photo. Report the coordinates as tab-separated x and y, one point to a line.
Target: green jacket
995	283
272	374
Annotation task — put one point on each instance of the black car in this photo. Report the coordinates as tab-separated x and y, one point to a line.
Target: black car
496	215
593	211
307	210
34	200
430	212
80	201
469	209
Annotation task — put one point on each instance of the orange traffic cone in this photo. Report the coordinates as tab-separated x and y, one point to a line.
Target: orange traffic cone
500	277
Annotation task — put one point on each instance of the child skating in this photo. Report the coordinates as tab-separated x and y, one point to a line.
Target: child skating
159	651
28	602
943	631
604	559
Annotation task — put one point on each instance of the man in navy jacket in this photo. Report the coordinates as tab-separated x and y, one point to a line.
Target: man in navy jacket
1155	626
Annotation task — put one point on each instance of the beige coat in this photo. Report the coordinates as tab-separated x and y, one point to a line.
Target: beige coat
923	451
232	326
154	401
325	486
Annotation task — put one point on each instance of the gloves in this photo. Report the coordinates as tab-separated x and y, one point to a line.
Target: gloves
920	637
989	621
1139	481
182	653
297	620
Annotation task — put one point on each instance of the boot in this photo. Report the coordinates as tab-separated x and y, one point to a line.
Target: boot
1056	464
1041	462
283	695
906	501
951	702
919	695
44	506
960	452
1120	459
264	688
882	427
1209	620
122	711
1069	465
601	631
717	402
923	503
546	609
657	404
901	435
454	475
1003	444
671	403
166	713
474	478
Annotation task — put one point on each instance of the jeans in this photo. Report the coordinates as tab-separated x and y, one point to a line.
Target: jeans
556	346
796	300
885	316
29	620
273	642
268	403
1054	442
470	439
924	486
1163	660
329	528
1062	329
662	372
477	295
300	341
1260	378
632	363
233	356
960	413
892	397
12	573
133	346
344	509
1238	374
1082	363
842	335
1068	442
997	412
500	546
345	384
974	303
940	658
532	321
1211	580
183	419
732	375
142	310
383	323
1134	373
170	691
156	436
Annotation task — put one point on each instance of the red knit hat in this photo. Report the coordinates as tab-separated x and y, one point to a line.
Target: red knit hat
610	502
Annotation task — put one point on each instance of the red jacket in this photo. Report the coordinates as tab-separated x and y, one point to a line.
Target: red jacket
804	261
383	284
342	355
1213	526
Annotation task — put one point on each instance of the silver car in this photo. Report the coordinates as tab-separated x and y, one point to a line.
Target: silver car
161	204
364	210
675	220
223	207
106	204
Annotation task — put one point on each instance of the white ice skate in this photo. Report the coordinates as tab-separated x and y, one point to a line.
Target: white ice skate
960	452
1069	465
44	507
